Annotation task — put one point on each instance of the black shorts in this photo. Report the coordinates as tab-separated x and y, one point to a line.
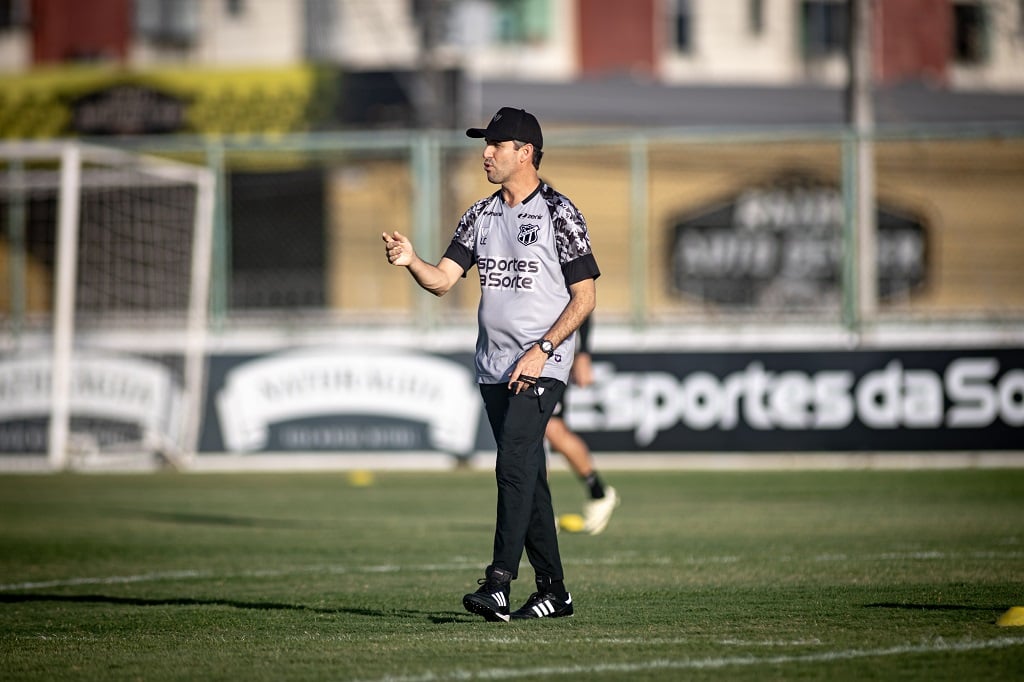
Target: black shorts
559	408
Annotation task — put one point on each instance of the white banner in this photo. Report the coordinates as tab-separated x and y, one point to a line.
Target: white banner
120	388
317	382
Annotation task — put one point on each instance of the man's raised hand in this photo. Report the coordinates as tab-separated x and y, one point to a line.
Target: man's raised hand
398	248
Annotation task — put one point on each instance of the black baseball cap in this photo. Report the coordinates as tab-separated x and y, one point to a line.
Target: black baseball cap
511	124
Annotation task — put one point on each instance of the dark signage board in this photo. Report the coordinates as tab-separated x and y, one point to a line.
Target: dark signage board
781	246
128	110
831	401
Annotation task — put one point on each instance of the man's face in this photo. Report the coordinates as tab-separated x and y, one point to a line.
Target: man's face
501	160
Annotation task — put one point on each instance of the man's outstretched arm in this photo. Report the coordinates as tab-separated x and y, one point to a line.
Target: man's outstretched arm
437	279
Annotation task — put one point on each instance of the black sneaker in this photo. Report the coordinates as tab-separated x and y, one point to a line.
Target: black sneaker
491	600
545	605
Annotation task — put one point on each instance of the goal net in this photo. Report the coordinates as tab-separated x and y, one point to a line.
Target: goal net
106	260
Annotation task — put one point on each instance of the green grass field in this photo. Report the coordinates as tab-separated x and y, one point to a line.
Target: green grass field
885	575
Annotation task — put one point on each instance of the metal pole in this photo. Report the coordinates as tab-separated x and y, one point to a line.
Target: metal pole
425	163
850	262
432	106
220	283
861	118
16	220
639	219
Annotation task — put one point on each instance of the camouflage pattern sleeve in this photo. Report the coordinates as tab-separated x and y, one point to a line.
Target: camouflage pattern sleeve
465	232
570	227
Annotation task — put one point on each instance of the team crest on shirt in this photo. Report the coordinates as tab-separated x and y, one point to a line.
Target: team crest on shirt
528	234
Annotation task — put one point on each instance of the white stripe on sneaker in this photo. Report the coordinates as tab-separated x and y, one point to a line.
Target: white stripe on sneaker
499	597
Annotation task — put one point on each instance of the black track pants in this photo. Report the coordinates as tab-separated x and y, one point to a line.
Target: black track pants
525	518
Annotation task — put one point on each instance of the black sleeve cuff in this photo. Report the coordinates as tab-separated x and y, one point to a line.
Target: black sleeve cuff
461	255
584	267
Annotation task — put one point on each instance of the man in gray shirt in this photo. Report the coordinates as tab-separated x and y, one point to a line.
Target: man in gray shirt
532	251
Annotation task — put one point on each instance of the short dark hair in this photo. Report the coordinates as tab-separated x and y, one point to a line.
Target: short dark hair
537	153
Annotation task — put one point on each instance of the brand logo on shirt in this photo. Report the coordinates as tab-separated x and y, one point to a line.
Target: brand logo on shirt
528	234
510	274
531	216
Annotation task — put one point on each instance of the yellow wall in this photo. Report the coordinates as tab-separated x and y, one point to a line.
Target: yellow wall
968	193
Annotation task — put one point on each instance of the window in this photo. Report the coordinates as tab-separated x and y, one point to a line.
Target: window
755	17
169	22
970	33
825	28
682	22
13	14
523	21
322	24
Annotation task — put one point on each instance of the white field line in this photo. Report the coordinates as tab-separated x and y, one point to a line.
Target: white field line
913	556
462	564
633	641
210	575
938	646
457	565
109	580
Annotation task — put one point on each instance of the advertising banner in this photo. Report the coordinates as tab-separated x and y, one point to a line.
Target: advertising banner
891	400
113	397
336	400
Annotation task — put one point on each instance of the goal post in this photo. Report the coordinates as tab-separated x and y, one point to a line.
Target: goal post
108	362
68	206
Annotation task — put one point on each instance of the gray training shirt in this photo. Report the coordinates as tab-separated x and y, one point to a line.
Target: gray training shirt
527	256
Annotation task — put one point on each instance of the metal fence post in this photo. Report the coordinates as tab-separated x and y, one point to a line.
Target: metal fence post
16	220
639	222
860	115
220	272
426	208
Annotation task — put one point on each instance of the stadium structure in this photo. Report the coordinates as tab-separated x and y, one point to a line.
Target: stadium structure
807	223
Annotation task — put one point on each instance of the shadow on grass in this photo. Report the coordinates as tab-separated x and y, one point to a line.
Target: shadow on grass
436	618
219	520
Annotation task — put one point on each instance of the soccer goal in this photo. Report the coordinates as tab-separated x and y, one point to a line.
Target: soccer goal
106	259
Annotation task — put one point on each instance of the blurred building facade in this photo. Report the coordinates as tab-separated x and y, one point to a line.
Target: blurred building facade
720	210
247	71
957	44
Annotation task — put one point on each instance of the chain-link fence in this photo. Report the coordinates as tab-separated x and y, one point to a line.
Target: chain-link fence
714	228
